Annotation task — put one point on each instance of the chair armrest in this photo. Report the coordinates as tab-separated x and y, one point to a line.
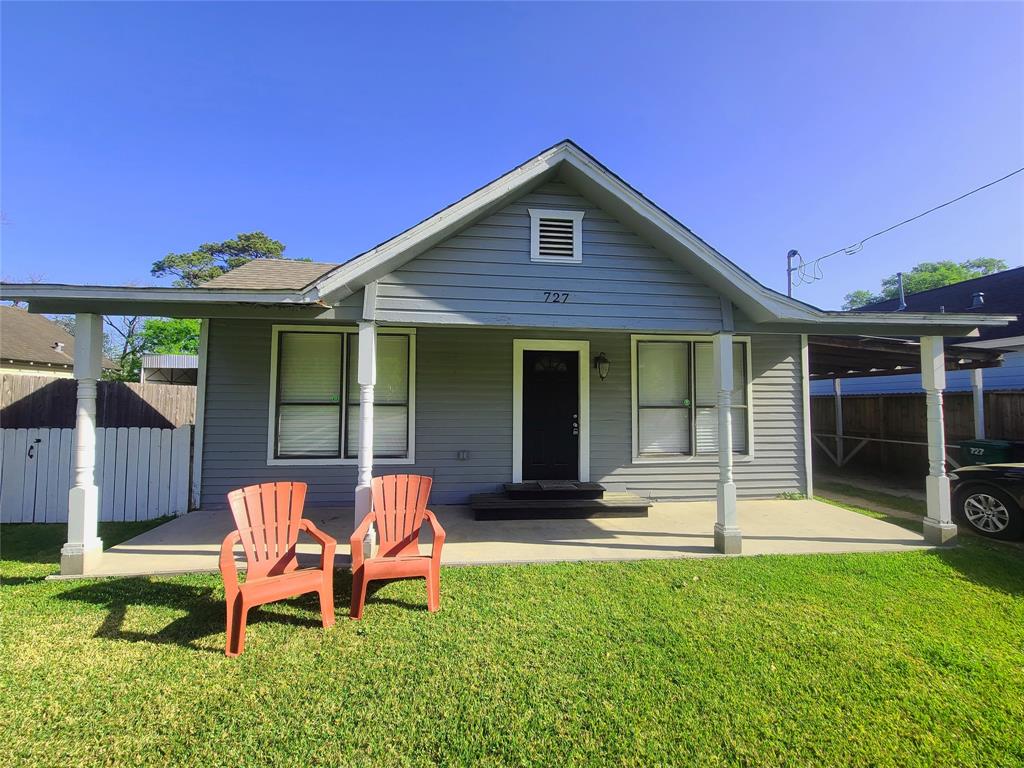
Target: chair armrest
439	534
228	569
356	540
327	543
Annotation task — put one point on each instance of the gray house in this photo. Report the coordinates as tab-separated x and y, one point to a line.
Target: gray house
554	325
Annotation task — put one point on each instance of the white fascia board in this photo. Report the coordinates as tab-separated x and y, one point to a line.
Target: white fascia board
35	291
893	320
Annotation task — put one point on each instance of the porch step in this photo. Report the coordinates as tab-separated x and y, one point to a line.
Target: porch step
498	506
554	489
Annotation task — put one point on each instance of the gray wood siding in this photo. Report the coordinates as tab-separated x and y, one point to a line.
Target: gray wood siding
464	402
484	275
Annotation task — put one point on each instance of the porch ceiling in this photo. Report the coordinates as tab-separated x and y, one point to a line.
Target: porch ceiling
845	357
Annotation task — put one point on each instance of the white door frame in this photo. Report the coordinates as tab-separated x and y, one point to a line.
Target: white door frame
582	348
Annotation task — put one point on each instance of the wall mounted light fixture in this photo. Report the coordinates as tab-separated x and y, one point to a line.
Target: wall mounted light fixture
603	365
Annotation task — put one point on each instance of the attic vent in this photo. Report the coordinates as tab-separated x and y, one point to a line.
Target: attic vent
556	236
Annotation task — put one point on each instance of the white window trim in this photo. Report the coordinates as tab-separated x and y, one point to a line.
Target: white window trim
705	458
582	348
576	217
275	334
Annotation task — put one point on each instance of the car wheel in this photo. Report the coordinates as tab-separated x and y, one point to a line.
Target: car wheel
990	512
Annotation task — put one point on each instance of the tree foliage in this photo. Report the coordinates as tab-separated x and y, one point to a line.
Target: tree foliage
212	259
170	336
924	277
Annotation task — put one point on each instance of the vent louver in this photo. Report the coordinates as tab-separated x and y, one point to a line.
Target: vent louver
555	238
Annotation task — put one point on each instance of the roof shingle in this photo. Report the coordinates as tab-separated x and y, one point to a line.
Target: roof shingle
33	338
270	274
1004	294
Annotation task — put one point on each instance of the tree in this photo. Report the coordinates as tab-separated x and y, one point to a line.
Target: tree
924	277
212	259
122	343
170	336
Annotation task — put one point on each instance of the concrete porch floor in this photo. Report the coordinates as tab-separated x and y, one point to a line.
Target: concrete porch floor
191	543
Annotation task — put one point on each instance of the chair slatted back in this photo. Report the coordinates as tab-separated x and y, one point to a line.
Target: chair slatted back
267	517
399	504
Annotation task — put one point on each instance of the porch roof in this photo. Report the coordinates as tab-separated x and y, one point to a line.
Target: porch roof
841	357
298	305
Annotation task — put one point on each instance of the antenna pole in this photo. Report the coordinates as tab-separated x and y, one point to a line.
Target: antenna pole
789	271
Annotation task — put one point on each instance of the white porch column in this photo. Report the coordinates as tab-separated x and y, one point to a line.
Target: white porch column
978	393
367	377
727	533
83	549
938	523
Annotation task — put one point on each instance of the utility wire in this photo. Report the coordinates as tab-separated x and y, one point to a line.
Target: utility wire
851	249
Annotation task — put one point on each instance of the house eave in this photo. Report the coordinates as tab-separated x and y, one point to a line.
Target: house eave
51	298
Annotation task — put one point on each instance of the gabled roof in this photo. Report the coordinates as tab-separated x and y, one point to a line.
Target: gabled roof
1003	294
760	308
271	274
604	188
33	338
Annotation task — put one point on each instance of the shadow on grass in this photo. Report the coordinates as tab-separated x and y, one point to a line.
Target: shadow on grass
203	607
987	563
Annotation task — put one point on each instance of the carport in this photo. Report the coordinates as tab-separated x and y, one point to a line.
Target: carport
848	357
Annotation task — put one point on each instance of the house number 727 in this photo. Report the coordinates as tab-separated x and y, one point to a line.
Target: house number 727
555	297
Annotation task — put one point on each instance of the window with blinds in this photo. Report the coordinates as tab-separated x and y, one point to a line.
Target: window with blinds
390	398
317	402
663	398
556	236
677	403
309	395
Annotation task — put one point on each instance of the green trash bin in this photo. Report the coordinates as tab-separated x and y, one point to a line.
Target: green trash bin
985	451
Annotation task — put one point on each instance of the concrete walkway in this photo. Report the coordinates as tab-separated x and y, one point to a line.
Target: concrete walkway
191	543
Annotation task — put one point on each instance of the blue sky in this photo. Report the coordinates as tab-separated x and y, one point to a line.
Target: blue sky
131	130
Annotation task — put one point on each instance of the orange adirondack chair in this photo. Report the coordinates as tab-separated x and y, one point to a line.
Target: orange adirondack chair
399	509
269	518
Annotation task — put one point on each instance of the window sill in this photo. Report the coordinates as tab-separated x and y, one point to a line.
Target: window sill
709	459
335	462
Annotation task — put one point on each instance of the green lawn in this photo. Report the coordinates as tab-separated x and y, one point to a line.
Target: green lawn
909	659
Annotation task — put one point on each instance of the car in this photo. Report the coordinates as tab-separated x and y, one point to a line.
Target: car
989	499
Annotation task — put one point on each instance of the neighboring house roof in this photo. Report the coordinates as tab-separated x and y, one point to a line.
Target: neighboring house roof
29	338
758	307
273	274
1003	294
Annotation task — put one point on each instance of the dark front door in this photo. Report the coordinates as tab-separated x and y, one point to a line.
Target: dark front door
551	410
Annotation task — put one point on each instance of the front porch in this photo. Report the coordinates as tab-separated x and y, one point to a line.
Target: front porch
672	530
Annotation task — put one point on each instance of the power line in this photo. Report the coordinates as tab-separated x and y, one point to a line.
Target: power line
816	274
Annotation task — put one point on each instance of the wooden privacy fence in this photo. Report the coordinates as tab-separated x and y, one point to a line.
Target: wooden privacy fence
44	401
903	417
141	473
